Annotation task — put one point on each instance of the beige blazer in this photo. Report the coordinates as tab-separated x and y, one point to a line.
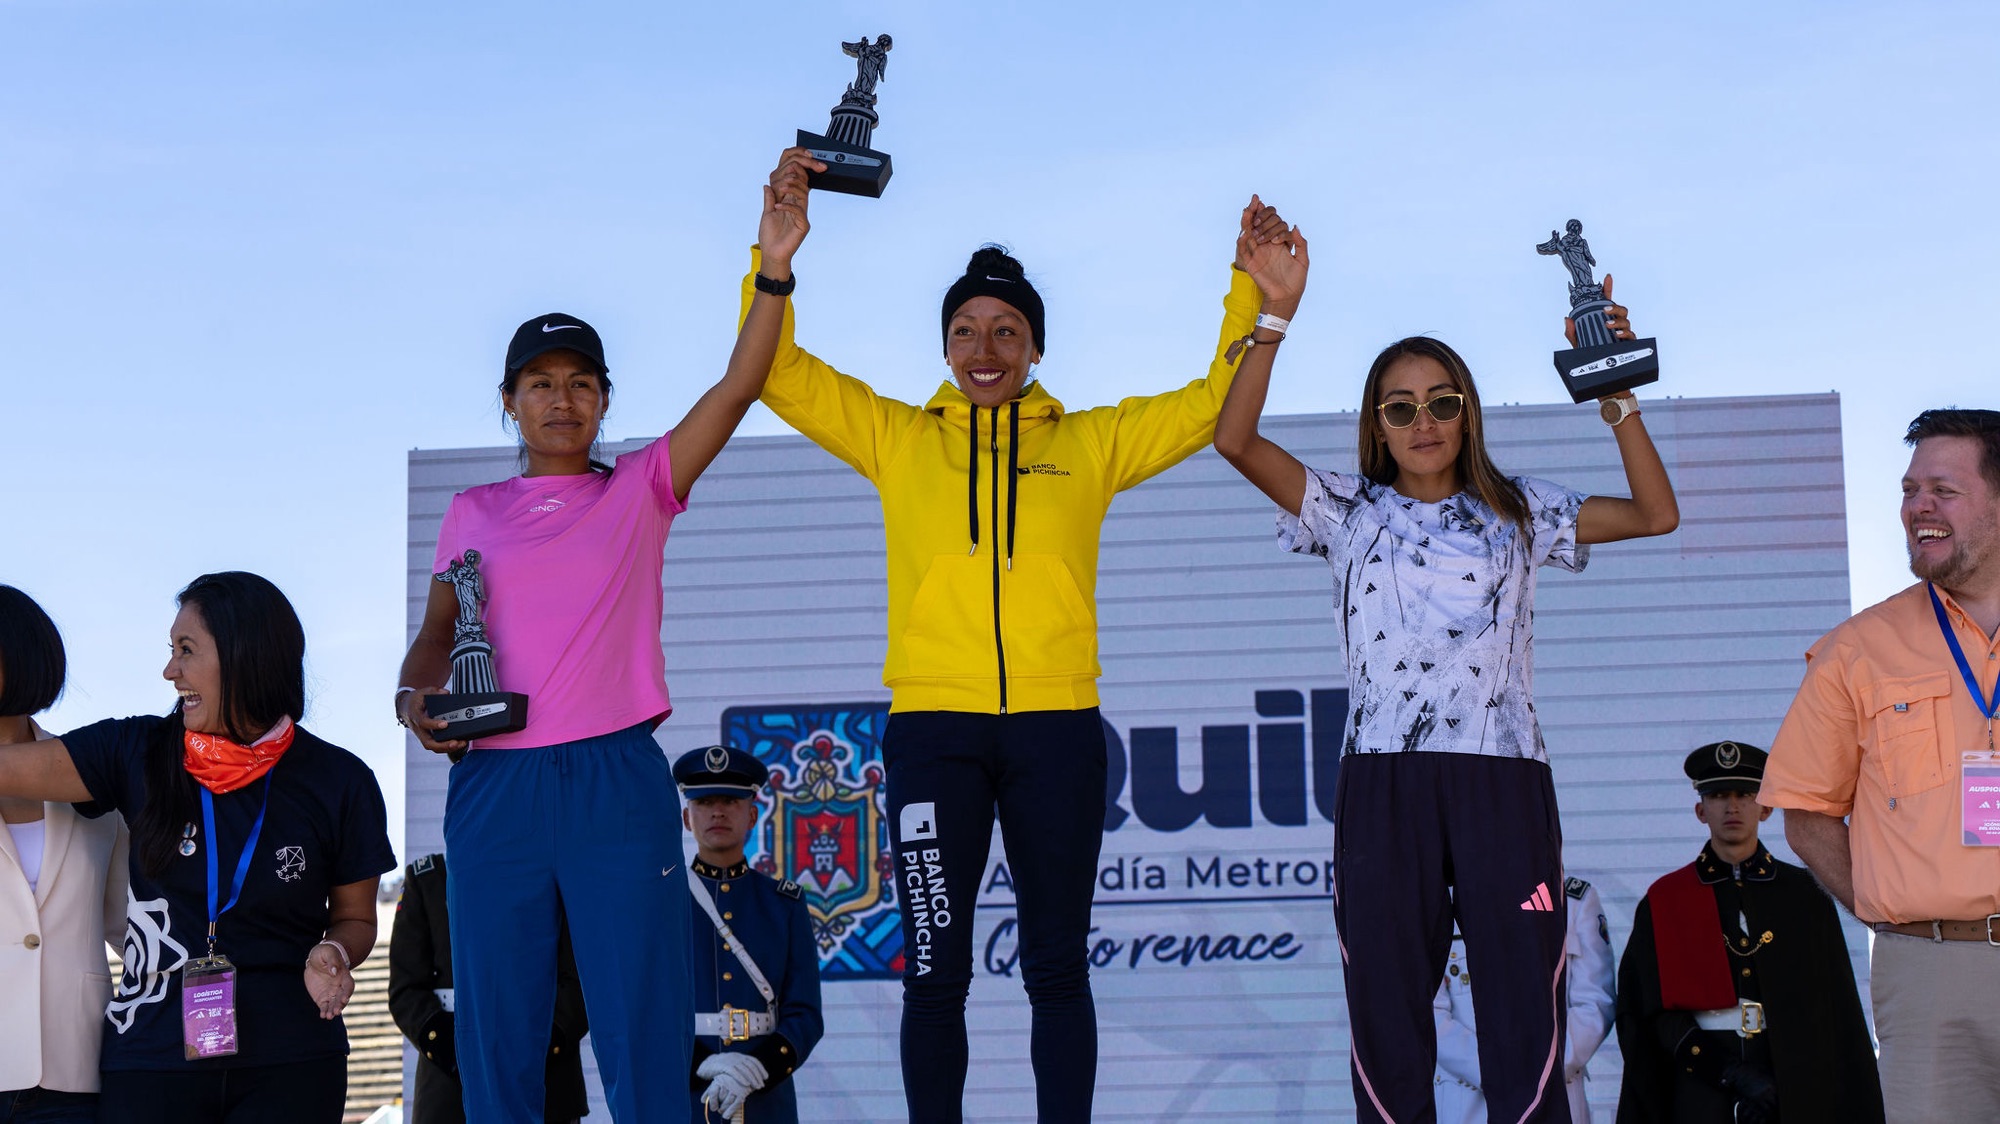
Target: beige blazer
54	984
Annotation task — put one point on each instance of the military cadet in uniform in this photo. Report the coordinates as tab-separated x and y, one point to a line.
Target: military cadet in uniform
1736	997
1588	973
420	998
754	961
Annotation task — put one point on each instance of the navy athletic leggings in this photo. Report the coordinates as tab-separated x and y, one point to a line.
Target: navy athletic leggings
1044	771
1420	838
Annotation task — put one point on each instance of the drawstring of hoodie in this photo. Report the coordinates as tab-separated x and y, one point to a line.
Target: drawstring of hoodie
1013	471
1013	476
972	484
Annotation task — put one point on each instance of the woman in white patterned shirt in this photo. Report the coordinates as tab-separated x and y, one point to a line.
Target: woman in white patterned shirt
1445	809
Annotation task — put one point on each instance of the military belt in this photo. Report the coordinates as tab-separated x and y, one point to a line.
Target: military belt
1745	1019
735	1024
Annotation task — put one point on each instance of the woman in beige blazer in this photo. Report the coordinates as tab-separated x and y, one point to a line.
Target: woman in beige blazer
62	897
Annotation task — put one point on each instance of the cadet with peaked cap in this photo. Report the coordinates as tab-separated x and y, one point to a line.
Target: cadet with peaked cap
1736	998
755	965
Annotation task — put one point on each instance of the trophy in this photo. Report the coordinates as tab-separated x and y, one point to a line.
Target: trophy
1598	366
477	707
853	168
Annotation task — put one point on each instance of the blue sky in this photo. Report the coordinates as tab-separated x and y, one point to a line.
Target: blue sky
256	252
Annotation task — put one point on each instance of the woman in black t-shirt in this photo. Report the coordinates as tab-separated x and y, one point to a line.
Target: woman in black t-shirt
246	827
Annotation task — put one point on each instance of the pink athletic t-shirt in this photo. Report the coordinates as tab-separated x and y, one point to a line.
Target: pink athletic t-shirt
571	566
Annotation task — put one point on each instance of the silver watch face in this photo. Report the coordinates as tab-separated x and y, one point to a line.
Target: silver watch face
1612	410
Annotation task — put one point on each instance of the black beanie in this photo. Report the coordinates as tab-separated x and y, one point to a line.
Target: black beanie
993	272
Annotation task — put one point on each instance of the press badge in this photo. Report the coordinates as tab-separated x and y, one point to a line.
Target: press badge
208	1007
1980	770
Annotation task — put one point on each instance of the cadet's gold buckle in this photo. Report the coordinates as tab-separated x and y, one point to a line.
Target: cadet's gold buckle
1753	1018
732	1017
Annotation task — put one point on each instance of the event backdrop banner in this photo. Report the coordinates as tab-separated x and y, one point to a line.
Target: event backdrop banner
1215	966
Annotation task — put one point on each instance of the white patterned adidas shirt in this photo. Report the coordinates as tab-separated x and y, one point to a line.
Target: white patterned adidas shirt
1436	609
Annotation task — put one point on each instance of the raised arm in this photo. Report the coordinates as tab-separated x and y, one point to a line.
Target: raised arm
1144	436
839	412
41	770
1652	510
701	435
1278	262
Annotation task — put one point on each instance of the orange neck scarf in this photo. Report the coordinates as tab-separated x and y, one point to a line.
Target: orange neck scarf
220	765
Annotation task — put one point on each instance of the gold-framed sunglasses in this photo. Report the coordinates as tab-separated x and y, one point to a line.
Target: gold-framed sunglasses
1402	413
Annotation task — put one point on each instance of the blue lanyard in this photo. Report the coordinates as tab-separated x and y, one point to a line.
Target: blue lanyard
242	863
1991	708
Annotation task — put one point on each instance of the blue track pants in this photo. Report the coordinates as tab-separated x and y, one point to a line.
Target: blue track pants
590	828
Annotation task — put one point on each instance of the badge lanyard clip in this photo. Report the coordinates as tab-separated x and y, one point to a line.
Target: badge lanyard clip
1988	707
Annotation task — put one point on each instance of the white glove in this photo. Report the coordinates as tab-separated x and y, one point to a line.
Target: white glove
725	1096
732	1078
744	1068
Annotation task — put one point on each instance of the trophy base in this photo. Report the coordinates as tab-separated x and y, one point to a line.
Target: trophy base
478	715
1597	372
850	168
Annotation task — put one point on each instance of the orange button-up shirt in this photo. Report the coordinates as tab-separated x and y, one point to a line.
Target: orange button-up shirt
1875	734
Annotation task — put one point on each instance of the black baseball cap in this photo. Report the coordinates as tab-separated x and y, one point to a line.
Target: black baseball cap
555	331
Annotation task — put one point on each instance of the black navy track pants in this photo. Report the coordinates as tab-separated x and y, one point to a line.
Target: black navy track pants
947	774
1418	839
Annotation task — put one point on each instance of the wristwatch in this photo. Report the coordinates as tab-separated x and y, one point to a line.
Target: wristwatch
400	692
1615	410
776	288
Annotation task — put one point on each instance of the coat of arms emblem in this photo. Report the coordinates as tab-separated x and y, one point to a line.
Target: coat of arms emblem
826	829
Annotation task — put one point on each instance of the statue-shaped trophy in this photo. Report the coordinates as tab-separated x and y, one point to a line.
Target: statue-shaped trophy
476	707
1598	366
853	168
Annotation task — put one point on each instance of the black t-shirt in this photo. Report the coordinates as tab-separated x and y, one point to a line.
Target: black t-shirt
325	827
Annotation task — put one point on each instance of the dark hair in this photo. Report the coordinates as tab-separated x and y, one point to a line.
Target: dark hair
32	664
512	378
261	648
1982	426
996	258
993	272
1476	471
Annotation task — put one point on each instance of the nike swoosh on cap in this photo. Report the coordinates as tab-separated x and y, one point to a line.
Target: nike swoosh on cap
559	327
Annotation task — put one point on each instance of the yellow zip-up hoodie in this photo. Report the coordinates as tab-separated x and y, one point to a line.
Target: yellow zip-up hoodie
992	516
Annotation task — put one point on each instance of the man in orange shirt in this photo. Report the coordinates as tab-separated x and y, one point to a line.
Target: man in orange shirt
1889	778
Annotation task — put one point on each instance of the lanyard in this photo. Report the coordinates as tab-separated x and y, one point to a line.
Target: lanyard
242	863
1989	708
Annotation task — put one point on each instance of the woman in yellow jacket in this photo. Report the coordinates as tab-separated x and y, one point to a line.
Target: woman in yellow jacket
993	496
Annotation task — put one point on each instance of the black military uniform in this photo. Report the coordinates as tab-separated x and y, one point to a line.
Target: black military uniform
1736	998
420	982
767	917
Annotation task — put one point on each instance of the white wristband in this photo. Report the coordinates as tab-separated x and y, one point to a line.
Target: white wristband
1276	324
346	963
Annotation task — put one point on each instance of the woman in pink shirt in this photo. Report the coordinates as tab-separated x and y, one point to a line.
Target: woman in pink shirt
573	814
